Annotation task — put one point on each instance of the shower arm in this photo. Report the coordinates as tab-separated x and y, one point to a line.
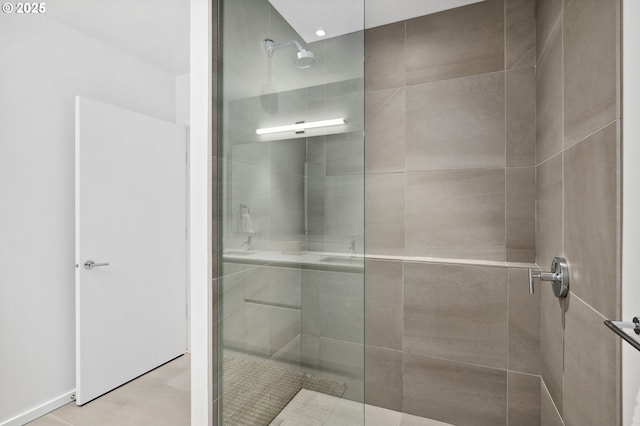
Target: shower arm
270	46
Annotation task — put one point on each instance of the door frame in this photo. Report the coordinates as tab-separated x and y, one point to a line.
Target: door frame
200	224
630	199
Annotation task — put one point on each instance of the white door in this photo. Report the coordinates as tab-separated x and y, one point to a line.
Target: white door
131	214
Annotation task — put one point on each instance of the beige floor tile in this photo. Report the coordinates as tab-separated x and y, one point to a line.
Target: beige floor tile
48	420
160	397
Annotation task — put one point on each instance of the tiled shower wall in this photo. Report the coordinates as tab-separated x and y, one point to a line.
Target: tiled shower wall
450	173
578	216
450	134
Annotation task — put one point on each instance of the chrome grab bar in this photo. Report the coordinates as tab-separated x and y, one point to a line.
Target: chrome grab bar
619	326
90	264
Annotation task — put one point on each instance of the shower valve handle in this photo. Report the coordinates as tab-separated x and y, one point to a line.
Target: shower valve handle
559	277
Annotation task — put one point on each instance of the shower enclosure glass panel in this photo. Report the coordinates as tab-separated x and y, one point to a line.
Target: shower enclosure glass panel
290	290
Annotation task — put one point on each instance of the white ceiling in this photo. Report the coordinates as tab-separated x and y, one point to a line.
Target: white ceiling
338	17
155	31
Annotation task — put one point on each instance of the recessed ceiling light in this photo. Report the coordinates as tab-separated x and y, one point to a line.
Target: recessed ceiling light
321	33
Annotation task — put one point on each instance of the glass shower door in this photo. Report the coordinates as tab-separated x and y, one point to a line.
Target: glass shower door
291	186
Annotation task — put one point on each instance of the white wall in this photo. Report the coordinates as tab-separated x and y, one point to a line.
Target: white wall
631	206
182	99
44	65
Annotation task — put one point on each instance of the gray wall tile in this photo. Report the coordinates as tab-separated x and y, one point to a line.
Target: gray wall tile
439	202
549	99
344	362
383	304
384	57
386	130
521	117
341	300
549	211
548	413
344	208
548	21
591	228
454	393
383	378
457	124
455	43
551	342
284	328
385	213
345	154
591	46
523	399
592	369
456	312
520	49
287	207
524	324
520	214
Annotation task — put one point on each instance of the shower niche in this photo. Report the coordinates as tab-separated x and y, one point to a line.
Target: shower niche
291	185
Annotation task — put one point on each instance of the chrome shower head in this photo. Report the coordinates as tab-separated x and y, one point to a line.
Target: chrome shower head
304	58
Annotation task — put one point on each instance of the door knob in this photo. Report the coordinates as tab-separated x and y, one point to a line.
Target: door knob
559	277
90	264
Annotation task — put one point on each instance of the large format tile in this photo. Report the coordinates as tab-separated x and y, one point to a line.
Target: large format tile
591	68
457	124
51	420
549	99
343	362
549	415
455	393
383	378
385	213
592	369
409	420
523	399
524	324
377	416
456	312
345	154
287	207
150	399
439	202
521	117
521	214
549	211
548	21
386	130
383	304
591	218
551	342
384	57
344	209
520	49
458	42
333	305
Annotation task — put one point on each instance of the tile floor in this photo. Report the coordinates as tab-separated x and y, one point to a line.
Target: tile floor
159	398
313	408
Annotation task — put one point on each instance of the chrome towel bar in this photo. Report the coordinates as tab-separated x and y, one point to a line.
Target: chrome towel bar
619	326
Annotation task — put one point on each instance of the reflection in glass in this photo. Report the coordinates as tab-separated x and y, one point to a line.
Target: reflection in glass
291	283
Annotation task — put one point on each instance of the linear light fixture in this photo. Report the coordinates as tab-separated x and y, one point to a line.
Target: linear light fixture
301	126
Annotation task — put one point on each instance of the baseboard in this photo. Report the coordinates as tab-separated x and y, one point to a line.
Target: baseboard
38	411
